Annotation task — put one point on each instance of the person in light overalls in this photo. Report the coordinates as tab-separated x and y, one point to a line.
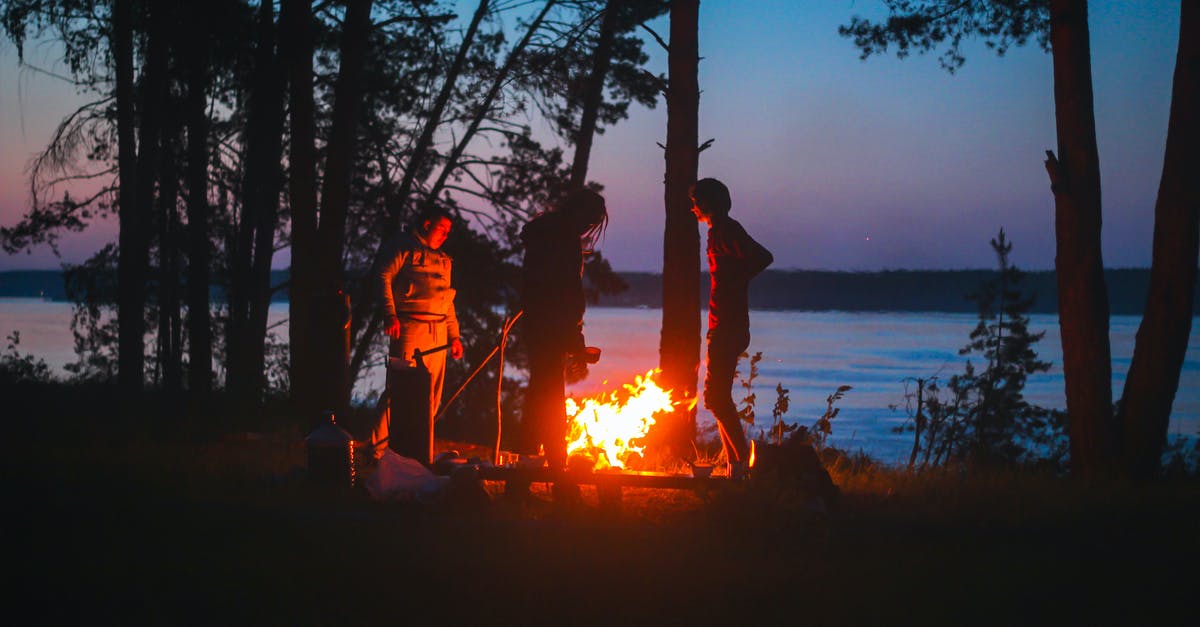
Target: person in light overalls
413	282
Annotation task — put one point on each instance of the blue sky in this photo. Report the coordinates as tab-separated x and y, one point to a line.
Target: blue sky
833	162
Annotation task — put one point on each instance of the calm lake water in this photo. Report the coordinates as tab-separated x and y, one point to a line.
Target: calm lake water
809	353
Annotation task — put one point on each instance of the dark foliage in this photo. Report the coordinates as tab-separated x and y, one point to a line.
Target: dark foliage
923	25
981	418
484	165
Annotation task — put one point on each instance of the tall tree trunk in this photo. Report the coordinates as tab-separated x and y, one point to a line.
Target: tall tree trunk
1082	294
601	60
131	260
1162	338
251	258
679	346
169	355
153	101
199	317
330	329
296	42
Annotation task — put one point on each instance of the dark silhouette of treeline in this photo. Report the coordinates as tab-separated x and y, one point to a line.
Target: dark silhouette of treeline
807	290
890	290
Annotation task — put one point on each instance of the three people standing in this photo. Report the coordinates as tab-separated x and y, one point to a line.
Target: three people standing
414	278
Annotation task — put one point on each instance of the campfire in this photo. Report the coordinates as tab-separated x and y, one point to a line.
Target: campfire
608	426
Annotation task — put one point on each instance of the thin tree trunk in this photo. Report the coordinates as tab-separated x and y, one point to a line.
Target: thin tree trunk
199	317
919	424
1082	294
169	355
601	60
268	194
256	230
399	200
175	309
679	346
131	260
485	106
1162	338
331	334
154	97
297	48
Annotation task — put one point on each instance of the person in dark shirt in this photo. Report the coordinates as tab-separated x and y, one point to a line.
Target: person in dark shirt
553	300
734	258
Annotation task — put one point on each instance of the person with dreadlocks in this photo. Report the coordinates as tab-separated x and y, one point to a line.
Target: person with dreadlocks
554	303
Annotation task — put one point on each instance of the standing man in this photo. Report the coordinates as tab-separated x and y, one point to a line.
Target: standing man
734	258
413	283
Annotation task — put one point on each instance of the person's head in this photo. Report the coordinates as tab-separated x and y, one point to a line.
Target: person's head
710	198
433	225
587	212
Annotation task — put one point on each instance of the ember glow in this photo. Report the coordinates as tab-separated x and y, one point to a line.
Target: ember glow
608	427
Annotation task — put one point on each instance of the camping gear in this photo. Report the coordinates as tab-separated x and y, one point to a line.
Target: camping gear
410	432
400	478
330	454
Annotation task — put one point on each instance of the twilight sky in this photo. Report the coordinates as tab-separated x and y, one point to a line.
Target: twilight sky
833	162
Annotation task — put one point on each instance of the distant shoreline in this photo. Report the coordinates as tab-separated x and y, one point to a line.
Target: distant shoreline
791	290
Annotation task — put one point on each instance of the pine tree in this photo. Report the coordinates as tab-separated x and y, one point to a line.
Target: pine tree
1002	424
980	417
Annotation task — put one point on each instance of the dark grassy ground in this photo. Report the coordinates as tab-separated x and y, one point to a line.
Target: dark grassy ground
124	522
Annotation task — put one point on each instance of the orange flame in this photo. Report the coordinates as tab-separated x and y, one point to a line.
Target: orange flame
610	428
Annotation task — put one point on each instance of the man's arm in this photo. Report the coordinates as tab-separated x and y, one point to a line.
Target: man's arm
751	256
392	260
452	332
757	256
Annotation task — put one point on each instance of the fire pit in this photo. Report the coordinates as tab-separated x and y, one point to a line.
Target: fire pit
605	437
609	426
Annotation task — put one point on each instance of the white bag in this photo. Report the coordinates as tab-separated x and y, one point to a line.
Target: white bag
399	478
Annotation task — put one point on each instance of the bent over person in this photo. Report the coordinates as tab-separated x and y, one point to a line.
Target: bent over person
734	258
553	299
413	282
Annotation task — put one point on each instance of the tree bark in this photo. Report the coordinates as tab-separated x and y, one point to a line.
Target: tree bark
601	60
1082	294
679	347
199	317
131	260
1162	338
153	101
170	357
330	329
296	21
250	289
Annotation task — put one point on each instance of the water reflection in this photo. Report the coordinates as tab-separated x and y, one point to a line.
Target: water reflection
809	353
